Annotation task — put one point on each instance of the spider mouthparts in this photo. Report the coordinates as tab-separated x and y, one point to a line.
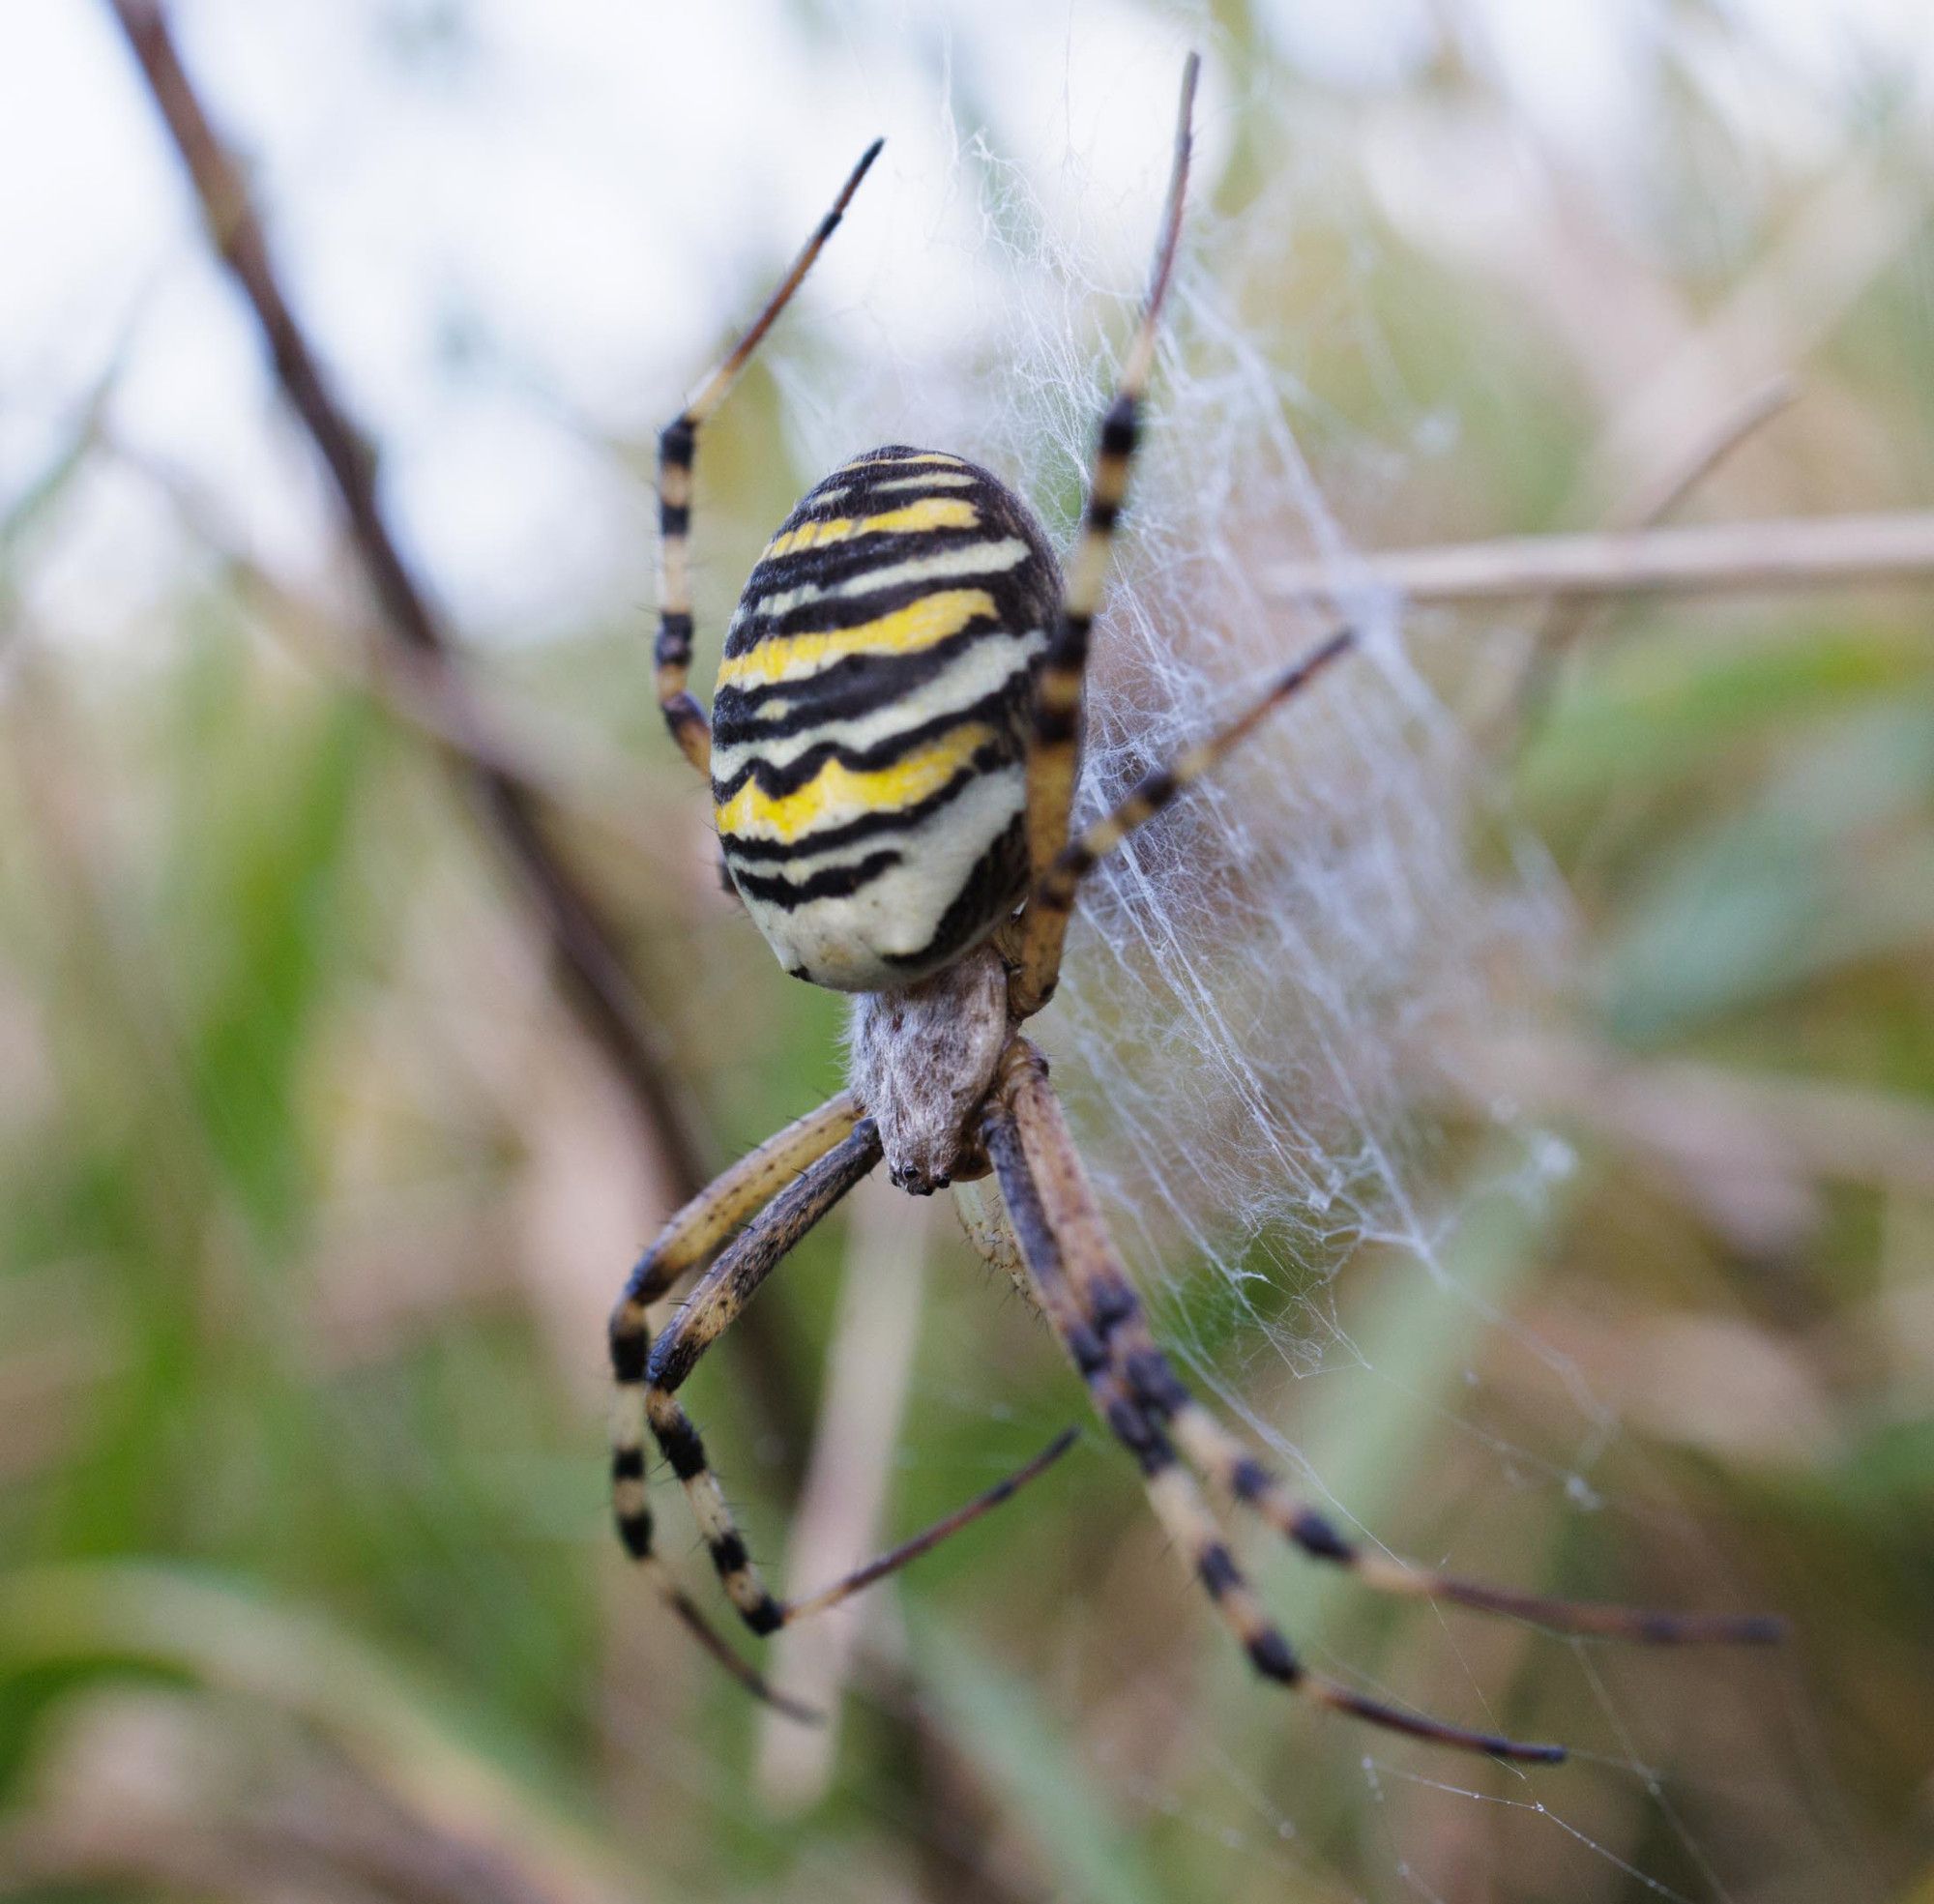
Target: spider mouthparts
915	1182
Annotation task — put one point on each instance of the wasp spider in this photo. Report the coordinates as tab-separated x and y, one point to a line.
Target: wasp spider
893	752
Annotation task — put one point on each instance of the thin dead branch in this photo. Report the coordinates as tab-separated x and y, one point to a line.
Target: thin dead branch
1738	558
608	1003
571	770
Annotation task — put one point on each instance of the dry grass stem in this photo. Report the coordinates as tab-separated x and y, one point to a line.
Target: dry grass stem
1740	558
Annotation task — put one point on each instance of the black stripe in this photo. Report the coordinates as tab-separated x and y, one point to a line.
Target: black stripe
1157	1383
675	443
1119	429
868	826
674	642
833	883
829	565
1069	648
728	1554
1133	1429
774	781
627	1464
682	1447
674	519
1250	1479
1269	1655
1113	1303
636	1532
682	712
1217	1567
1053	726
1157	790
859	685
1315	1535
629	1346
1086	1349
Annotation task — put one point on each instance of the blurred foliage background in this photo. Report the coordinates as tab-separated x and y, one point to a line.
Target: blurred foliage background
315	1192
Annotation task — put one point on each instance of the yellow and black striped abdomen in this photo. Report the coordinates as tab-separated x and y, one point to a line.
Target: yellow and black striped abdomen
870	728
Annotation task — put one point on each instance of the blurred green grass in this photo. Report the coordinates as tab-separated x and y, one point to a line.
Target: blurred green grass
309	1216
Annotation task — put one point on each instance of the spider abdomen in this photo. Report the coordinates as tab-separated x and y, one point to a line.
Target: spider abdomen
869	727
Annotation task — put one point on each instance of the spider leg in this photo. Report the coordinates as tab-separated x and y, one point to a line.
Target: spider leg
1043	1190
678	443
1052	899
1054	744
650	1375
691	1237
720	1295
993	1239
924	1542
1115	1312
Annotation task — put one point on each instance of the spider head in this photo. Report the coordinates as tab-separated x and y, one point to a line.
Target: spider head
922	1060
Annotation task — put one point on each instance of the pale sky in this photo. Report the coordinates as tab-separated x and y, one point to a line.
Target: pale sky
593	185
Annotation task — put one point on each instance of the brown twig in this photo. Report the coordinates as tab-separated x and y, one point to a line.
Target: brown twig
568	771
606	1001
1801	552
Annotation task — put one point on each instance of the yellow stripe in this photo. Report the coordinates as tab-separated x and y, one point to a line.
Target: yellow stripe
921	623
921	457
931	512
836	794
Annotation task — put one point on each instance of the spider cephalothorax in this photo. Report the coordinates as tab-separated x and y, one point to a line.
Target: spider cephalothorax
893	768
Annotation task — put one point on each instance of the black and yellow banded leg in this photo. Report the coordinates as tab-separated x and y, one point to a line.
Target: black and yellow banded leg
724	1291
696	1232
1055	1223
687	1243
1113	1310
713	1305
1054	746
1223	1458
677	445
1052	898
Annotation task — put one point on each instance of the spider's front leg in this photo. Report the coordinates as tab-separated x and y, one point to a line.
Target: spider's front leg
1055	744
825	1155
1110	1310
678	446
724	1291
1042	1201
690	1241
687	1243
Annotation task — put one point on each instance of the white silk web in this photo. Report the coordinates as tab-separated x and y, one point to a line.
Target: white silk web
1272	994
1263	988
